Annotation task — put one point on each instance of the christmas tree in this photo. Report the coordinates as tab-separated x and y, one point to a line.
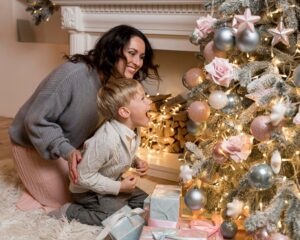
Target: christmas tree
241	154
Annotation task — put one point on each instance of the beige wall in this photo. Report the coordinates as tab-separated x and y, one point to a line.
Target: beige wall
24	65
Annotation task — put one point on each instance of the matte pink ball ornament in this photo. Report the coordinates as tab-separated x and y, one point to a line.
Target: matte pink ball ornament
198	111
210	52
261	128
278	236
193	77
217	99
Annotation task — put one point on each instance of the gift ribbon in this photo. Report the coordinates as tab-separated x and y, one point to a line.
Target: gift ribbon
207	227
117	219
162	223
169	234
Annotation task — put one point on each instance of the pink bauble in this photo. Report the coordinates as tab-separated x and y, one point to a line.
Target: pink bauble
198	111
278	236
193	77
218	154
210	52
261	128
217	99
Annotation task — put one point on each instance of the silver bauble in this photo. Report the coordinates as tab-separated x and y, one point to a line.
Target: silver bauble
195	199
228	229
194	128
224	39
195	38
233	104
296	76
261	176
247	40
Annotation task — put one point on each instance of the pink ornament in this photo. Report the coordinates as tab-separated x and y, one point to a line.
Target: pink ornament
261	128
198	111
193	77
278	236
218	154
210	52
217	99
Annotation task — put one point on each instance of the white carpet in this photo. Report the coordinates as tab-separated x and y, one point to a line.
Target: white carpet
34	225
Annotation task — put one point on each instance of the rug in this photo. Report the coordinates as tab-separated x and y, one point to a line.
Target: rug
18	225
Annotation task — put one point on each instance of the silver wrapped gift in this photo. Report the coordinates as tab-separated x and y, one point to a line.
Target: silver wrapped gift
165	203
125	224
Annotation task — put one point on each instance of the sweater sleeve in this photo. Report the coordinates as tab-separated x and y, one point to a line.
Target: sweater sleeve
41	120
99	152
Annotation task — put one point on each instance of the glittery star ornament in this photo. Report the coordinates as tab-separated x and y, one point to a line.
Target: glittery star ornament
246	21
280	34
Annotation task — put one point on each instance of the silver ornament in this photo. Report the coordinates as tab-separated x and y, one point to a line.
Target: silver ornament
296	76
195	199
195	38
261	176
228	229
224	39
195	128
247	40
233	104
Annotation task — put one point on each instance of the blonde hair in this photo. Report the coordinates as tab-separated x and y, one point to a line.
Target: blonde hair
115	94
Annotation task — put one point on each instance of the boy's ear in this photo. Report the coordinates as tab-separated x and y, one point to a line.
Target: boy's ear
124	112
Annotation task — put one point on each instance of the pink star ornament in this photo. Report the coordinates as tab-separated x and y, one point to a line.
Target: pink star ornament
280	34
246	21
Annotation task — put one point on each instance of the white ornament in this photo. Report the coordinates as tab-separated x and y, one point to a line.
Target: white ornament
278	111
218	99
276	161
234	208
185	173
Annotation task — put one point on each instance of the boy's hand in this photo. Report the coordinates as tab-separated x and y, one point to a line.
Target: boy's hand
128	184
73	159
141	167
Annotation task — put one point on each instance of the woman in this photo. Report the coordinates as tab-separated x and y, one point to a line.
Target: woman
62	113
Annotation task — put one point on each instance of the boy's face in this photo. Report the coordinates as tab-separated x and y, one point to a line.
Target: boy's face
139	107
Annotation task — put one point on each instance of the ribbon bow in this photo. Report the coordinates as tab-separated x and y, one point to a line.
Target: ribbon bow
117	218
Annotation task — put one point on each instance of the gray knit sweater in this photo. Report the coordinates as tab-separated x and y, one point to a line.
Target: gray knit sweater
61	114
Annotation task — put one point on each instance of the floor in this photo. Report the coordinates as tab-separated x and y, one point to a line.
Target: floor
4	139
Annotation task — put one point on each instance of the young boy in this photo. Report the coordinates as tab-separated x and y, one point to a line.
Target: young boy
100	190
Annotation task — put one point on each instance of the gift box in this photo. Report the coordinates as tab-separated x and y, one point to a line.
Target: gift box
146	207
164	206
155	233
125	224
212	230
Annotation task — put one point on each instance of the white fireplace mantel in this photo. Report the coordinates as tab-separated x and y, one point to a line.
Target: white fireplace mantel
167	23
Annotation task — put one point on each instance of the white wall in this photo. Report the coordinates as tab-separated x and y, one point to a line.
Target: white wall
24	65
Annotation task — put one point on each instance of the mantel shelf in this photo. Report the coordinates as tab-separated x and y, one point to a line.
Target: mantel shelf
167	23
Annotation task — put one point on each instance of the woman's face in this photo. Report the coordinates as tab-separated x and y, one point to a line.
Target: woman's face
134	52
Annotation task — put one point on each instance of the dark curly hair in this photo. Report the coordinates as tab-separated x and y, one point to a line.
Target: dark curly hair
109	49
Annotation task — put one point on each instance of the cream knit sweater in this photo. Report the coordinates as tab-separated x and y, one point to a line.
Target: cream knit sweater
108	154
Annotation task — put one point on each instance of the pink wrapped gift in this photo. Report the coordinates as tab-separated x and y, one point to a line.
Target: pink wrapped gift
154	233
212	230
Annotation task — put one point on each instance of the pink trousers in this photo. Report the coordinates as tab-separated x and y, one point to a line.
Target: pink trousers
46	181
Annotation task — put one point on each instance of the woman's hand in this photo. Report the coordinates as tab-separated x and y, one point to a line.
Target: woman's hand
141	167
128	184
73	159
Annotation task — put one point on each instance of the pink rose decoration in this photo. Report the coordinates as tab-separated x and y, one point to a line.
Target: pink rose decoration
238	147
205	26
296	119
220	71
